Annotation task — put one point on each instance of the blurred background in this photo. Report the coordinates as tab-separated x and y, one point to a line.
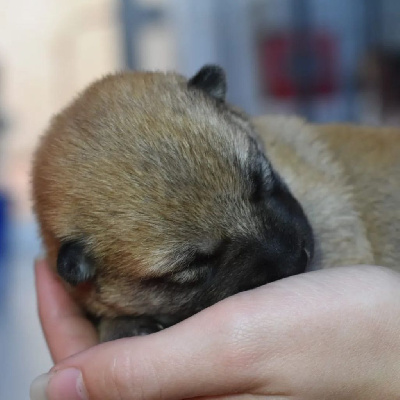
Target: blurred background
326	60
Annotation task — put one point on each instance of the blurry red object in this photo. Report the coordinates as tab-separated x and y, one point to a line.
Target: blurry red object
291	63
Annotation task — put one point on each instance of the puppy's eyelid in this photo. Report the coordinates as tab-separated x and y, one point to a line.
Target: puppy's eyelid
191	275
201	263
212	253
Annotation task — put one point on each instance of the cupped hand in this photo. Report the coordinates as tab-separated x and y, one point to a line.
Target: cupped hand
331	334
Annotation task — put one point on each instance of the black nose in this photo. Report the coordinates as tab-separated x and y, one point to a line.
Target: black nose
270	261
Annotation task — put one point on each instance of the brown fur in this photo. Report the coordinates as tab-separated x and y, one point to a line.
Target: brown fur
85	183
348	180
139	176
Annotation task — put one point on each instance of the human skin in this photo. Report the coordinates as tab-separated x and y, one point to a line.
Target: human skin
331	334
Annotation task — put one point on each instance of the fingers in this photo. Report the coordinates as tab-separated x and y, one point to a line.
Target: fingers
307	336
66	329
187	360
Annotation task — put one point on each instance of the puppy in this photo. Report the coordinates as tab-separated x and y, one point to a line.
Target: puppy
155	199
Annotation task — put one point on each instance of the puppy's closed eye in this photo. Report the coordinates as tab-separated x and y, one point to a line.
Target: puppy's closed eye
200	268
193	275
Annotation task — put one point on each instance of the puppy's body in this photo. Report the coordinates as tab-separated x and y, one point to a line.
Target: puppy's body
155	200
371	161
347	179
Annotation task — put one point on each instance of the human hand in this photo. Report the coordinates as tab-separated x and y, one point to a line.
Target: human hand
331	334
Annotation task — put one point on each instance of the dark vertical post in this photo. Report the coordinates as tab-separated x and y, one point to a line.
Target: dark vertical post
303	60
128	32
133	17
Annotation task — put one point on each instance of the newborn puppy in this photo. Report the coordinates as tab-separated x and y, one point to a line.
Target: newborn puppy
155	200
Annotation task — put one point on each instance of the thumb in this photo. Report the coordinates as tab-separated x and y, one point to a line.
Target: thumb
187	360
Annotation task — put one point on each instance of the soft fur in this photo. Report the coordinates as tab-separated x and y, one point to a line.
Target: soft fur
347	178
155	199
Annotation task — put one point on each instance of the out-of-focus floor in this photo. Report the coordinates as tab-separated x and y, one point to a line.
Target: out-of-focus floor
23	352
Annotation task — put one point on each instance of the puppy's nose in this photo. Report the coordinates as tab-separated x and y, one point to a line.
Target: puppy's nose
278	262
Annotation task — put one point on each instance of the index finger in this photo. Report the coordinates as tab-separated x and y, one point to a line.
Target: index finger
65	327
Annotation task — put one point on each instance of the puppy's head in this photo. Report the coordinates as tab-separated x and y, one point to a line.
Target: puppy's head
158	200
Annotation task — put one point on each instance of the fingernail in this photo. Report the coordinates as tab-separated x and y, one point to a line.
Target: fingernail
38	387
66	384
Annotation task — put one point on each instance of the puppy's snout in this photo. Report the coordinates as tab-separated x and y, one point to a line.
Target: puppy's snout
266	263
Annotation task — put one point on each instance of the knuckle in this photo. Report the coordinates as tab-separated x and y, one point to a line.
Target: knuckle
133	378
119	377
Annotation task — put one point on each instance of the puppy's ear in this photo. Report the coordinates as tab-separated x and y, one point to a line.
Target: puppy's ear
73	264
212	80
